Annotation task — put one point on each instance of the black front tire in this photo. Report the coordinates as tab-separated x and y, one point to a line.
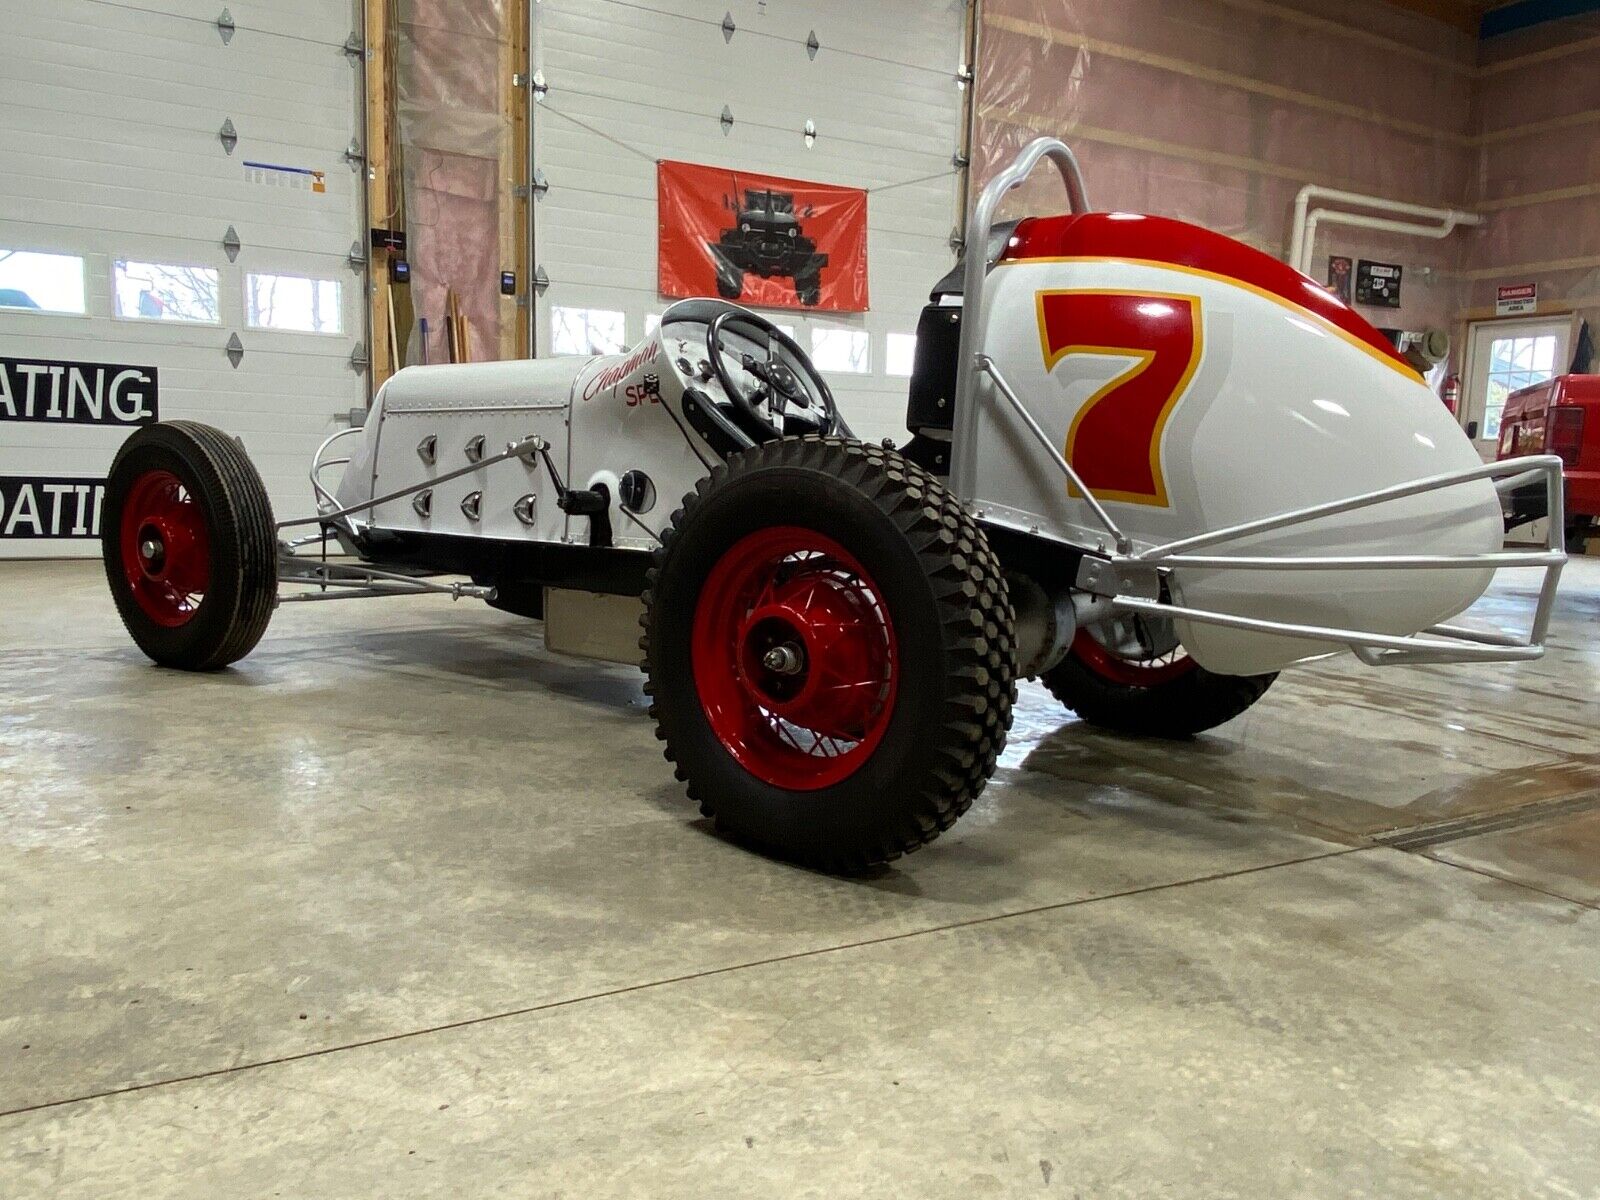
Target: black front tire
1192	703
951	616
242	578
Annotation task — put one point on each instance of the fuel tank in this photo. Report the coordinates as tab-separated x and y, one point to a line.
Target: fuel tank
1195	383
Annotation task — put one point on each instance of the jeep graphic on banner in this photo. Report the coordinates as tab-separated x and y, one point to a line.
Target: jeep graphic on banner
761	240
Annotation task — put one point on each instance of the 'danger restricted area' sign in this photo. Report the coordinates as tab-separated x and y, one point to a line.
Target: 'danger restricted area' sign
76	393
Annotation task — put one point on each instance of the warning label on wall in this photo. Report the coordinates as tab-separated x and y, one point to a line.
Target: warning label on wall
1515	299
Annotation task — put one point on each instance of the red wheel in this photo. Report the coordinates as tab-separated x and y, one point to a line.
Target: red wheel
189	545
829	651
794	658
166	552
1130	672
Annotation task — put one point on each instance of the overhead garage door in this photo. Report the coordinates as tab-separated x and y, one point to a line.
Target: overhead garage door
138	142
633	81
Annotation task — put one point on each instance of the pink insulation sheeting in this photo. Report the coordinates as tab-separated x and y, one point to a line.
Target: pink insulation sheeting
454	139
1219	111
1536	171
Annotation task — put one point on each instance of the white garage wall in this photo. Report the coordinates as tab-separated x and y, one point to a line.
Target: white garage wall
109	148
634	81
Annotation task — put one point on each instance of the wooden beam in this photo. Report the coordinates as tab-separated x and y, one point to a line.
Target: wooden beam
1461	14
380	191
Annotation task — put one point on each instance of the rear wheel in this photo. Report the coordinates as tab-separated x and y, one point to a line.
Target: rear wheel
189	545
828	642
1131	675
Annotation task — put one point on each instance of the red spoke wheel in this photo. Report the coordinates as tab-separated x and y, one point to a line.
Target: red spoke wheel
189	545
166	551
794	658
1147	685
828	641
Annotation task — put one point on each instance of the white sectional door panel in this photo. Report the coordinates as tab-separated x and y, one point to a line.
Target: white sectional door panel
634	81
112	151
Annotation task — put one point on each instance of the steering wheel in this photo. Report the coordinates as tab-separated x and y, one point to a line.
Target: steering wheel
786	377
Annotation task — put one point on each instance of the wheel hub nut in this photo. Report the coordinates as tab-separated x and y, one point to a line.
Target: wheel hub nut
149	549
782	660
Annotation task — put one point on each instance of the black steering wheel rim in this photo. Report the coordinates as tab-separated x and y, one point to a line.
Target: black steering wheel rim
817	393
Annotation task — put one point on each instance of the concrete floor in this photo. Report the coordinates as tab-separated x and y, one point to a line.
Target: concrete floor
404	906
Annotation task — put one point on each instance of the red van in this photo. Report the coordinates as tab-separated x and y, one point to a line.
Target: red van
1560	416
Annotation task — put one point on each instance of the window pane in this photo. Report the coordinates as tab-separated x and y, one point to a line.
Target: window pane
292	302
900	353
163	292
1544	354
847	350
41	282
587	331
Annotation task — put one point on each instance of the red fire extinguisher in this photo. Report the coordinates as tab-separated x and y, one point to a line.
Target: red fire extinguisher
1450	393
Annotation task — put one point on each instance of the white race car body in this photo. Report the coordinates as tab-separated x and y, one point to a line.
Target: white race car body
1191	386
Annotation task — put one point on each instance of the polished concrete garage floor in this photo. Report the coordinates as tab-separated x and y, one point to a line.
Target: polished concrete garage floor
404	906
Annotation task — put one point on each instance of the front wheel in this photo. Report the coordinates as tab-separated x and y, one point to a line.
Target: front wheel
1130	675
189	545
828	642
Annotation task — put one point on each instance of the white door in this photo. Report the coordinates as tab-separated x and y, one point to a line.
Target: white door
1503	357
134	135
630	83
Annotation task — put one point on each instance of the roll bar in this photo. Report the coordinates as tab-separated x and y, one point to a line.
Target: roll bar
963	465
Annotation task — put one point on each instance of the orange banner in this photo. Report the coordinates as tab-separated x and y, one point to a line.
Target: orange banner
761	240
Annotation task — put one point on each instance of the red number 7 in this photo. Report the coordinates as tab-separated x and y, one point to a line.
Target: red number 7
1114	442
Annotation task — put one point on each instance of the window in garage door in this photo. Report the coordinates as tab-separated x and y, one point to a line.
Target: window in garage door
117	186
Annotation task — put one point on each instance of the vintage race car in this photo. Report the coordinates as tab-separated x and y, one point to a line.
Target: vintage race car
1148	465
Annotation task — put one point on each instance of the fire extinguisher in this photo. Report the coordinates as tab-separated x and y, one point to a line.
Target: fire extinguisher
1450	393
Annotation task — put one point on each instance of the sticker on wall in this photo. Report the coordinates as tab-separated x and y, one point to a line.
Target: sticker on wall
1340	271
1378	284
1516	300
300	179
35	507
77	393
761	240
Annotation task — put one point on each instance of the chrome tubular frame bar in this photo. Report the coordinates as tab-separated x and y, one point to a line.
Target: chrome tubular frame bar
964	439
517	449
1438	644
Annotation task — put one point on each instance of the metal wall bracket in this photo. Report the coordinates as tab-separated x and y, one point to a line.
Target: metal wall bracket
354	48
357	258
523	509
727	120
474	449
541	281
541	185
811	133
358	358
428	450
960	161
234	350
226	27
422	503
231	244
1102	578
353	155
540	88
228	135
957	242
812	45
728	27
472	506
